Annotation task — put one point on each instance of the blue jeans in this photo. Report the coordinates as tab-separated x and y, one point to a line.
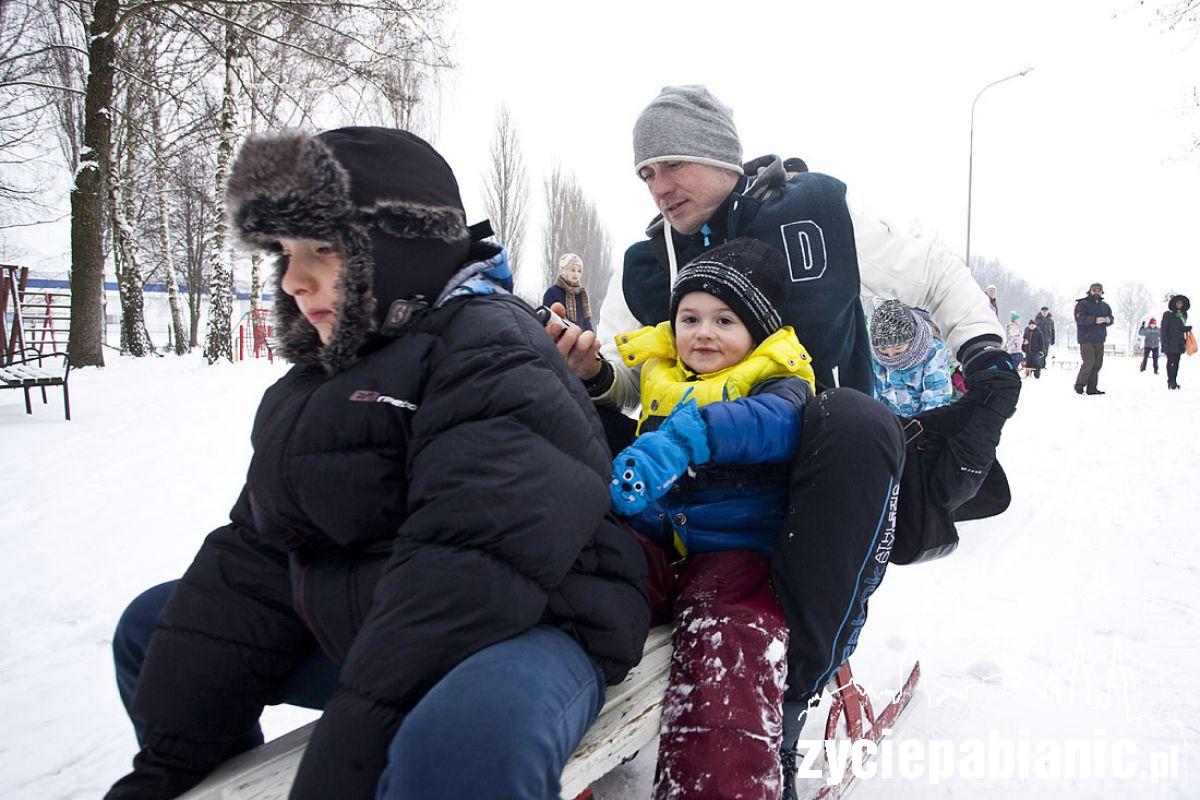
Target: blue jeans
501	724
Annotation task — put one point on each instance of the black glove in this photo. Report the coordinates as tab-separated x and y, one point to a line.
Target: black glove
968	454
984	358
348	750
154	777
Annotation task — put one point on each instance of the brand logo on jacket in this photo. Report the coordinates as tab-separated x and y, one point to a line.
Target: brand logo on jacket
365	396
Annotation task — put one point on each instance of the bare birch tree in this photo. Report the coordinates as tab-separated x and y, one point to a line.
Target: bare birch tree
573	226
1133	304
506	189
353	41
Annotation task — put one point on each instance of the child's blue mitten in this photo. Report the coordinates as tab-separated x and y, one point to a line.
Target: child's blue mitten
645	470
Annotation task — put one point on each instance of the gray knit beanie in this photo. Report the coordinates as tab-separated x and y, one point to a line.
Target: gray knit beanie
686	123
892	324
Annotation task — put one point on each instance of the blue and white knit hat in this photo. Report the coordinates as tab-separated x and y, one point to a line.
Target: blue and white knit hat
747	275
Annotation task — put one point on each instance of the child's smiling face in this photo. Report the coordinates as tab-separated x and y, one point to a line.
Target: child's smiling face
708	335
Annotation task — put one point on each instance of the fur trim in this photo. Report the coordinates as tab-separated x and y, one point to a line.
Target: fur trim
292	185
416	221
288	184
295	338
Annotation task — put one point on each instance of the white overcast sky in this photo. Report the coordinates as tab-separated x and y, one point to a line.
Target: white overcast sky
1081	167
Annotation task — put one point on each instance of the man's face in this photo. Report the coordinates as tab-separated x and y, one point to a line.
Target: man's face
687	193
1096	291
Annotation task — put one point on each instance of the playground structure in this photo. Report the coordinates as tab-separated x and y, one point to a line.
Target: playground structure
254	336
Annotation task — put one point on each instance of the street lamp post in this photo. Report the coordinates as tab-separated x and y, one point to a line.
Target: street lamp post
971	153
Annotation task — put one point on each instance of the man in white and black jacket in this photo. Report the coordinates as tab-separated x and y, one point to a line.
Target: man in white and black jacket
848	469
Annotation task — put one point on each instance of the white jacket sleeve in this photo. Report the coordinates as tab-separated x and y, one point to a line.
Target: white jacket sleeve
923	274
616	318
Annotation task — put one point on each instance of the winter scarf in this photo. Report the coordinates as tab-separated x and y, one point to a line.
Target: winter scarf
577	304
918	348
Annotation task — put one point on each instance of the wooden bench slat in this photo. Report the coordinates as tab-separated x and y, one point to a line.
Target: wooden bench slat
630	717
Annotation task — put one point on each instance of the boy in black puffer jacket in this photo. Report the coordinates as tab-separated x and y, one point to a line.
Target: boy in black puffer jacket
422	547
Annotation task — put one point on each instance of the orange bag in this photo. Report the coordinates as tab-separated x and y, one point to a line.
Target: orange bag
1189	344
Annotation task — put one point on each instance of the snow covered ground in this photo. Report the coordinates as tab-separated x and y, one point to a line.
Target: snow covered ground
1067	618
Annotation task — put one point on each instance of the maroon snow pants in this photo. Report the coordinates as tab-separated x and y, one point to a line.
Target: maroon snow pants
723	715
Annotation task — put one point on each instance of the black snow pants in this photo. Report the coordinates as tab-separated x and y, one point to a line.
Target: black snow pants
840	528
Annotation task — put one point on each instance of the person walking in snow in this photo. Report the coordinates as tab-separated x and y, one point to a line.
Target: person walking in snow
1033	346
688	154
422	548
1092	318
912	368
1174	336
1013	335
724	386
1151	336
1045	323
568	292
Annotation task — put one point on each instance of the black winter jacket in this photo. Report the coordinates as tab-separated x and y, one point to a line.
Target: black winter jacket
434	498
1174	329
1046	326
1033	344
1087	311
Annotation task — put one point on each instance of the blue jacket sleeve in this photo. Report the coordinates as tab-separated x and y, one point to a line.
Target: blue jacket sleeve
761	429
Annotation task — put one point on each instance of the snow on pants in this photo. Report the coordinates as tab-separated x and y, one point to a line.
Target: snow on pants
501	724
723	715
839	533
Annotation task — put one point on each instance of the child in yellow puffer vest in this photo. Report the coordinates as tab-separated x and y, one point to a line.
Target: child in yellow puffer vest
723	389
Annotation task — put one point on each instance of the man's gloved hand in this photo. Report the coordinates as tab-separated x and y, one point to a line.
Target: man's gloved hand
986	358
995	389
645	470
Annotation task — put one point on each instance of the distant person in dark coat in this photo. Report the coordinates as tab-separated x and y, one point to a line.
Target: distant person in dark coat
990	291
1151	335
1045	323
1092	318
1174	336
1033	345
569	292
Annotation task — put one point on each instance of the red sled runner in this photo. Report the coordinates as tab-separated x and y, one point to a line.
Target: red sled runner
851	703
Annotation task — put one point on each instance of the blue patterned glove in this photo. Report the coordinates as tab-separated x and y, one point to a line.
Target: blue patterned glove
645	470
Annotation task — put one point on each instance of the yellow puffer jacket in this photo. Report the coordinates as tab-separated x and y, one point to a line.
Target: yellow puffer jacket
665	378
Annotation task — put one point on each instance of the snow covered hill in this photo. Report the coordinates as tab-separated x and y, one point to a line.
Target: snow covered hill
1067	618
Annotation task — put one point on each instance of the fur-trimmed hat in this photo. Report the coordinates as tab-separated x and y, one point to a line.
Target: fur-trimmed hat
385	198
747	275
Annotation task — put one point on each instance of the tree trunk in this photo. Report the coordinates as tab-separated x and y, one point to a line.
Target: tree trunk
88	196
256	289
178	330
218	343
131	283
